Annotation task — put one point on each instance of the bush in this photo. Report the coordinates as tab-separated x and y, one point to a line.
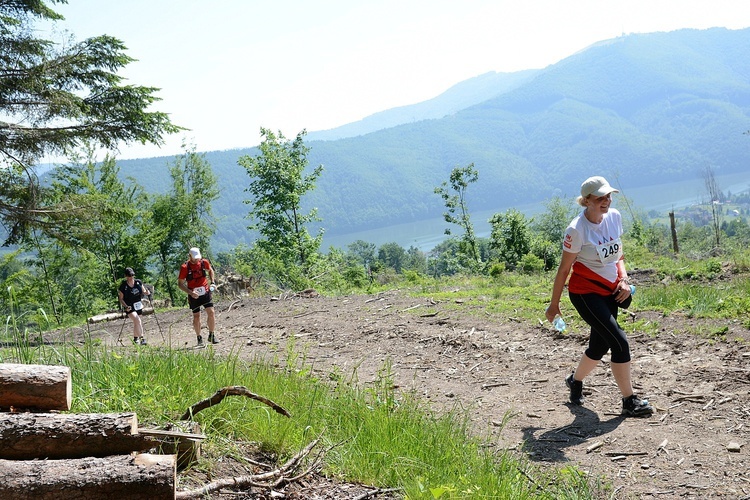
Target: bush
413	277
356	276
531	264
496	269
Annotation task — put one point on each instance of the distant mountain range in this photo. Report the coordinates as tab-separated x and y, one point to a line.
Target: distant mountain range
640	109
456	98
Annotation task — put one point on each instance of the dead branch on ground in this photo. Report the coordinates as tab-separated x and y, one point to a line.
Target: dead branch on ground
236	390
285	474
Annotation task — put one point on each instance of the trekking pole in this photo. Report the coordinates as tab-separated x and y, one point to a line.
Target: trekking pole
153	308
124	320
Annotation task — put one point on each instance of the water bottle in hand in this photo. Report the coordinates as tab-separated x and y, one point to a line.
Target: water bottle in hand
559	323
632	289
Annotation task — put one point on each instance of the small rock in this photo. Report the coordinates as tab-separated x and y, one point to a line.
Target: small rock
734	447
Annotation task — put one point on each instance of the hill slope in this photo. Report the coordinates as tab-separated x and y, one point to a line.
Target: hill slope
643	109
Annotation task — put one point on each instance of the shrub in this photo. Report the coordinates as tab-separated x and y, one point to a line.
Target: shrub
496	269
531	264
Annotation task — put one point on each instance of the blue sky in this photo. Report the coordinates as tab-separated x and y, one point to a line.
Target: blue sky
228	67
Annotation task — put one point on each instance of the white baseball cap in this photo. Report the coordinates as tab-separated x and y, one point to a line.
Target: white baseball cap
195	253
598	186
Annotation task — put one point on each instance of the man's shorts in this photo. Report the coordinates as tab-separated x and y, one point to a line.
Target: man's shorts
204	300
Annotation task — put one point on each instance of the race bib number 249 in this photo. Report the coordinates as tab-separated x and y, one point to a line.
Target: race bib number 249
610	251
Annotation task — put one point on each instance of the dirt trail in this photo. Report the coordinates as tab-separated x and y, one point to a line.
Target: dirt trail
456	353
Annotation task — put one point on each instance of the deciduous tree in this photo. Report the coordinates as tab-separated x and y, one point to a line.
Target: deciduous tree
182	218
510	236
277	185
715	199
458	210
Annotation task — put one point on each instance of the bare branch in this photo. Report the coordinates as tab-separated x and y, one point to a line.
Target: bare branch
236	390
256	480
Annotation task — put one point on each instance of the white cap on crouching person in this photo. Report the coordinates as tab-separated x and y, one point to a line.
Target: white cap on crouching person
597	186
195	253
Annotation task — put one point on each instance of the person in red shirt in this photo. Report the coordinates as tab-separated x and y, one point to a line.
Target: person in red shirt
193	279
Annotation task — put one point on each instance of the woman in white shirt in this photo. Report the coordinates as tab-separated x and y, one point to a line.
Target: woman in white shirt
598	286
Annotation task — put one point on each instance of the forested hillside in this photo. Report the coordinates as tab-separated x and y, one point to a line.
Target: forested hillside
640	109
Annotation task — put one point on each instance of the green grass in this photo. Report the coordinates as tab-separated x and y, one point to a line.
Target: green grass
698	289
376	436
520	296
725	299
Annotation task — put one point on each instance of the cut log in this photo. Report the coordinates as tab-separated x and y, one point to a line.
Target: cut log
121	476
116	315
26	436
37	387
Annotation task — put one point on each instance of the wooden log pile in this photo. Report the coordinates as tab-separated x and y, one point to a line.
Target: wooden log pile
45	454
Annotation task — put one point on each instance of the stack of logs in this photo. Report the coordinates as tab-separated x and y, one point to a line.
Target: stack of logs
45	454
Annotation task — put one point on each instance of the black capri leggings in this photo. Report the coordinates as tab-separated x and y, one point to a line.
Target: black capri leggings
600	312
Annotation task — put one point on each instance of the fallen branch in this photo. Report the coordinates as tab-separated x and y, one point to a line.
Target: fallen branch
594	446
236	390
266	480
412	307
376	491
496	384
300	315
624	453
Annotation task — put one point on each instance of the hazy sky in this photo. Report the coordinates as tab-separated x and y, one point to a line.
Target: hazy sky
228	67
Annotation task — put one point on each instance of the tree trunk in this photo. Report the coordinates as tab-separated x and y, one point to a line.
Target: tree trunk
116	315
37	387
27	436
147	477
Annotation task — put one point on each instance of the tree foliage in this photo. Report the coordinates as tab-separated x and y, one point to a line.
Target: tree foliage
457	207
549	227
278	184
182	218
510	236
54	98
362	252
109	231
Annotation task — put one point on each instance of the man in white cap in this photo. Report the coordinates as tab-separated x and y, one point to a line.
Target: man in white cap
194	280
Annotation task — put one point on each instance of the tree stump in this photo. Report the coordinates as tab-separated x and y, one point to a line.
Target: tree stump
185	445
38	387
146	477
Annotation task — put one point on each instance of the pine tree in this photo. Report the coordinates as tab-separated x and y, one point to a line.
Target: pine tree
54	98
